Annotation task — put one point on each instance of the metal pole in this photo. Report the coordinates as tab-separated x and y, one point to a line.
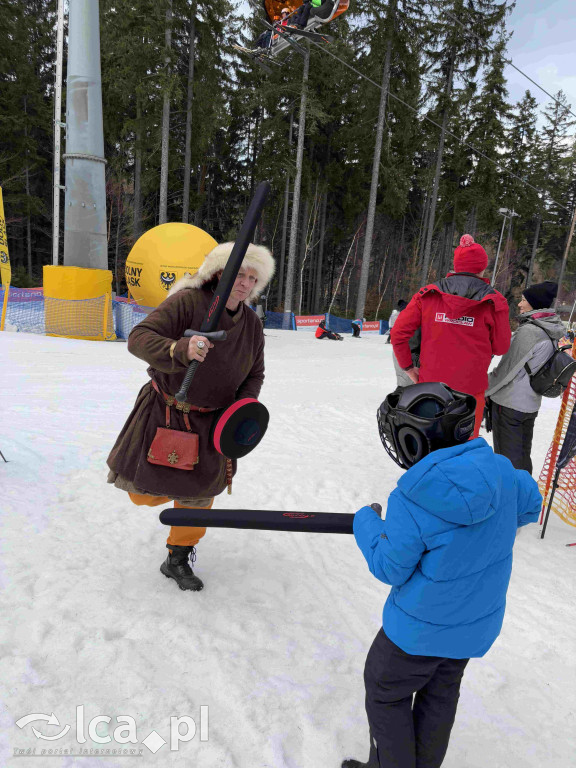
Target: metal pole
57	126
85	241
552	492
534	249
498	251
289	285
571	313
565	258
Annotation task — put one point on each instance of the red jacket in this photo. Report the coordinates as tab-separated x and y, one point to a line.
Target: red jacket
464	322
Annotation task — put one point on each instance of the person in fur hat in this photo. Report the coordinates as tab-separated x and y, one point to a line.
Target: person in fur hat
229	370
464	321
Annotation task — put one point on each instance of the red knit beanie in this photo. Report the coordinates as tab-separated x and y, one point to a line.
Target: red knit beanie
470	256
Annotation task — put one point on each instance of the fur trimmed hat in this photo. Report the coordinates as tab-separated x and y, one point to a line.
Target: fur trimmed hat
257	257
470	256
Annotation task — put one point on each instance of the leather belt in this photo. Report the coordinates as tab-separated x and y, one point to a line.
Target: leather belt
171	401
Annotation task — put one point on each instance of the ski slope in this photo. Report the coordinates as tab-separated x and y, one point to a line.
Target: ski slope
273	648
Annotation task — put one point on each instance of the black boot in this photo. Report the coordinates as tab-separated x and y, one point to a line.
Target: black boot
177	567
373	761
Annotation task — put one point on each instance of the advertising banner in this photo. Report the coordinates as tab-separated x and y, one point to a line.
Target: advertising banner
371	325
308	322
5	269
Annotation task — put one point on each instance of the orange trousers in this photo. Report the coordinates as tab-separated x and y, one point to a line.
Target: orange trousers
180	536
479	414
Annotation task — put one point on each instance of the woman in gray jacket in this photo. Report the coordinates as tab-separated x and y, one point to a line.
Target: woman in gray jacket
514	404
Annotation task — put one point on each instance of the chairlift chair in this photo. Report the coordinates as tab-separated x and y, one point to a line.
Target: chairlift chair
329	10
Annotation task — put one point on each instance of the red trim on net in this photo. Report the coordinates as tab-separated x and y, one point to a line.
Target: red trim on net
223	420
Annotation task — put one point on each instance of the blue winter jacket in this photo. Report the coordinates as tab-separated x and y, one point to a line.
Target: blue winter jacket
446	548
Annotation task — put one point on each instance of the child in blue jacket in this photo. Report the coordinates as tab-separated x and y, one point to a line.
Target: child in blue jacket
446	549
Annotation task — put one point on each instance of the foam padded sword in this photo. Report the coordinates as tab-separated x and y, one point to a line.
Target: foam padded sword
263	519
226	282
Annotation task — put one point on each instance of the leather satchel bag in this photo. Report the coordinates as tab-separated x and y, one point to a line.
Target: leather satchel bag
172	447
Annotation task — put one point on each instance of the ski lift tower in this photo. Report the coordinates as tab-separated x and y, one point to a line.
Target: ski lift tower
507	214
85	242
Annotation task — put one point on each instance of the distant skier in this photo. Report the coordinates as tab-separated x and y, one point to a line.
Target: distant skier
322	332
464	321
302	15
445	546
394	316
265	40
357	327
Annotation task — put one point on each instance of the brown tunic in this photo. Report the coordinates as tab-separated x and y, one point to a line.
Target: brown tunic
233	369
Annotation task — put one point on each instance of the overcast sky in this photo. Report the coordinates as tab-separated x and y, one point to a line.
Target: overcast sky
543	45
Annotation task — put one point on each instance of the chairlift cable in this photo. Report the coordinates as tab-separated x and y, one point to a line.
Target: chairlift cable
430	120
508	61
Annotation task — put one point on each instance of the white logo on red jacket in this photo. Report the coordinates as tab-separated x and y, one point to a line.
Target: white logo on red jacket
441	318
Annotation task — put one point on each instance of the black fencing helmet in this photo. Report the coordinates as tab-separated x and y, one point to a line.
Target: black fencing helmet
413	421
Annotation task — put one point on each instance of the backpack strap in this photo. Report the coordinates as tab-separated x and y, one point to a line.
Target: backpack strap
554	345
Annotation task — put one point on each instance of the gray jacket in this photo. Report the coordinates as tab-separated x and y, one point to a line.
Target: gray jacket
392	319
509	383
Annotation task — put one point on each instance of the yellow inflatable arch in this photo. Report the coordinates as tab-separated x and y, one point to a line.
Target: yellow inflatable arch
161	256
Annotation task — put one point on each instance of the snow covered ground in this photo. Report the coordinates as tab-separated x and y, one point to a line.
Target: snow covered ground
273	649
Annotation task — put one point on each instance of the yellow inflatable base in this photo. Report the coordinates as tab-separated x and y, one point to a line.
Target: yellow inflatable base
161	256
78	303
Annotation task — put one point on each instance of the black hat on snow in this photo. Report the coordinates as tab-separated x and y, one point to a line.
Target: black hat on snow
541	295
415	420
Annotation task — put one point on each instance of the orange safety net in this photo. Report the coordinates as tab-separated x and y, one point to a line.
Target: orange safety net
564	502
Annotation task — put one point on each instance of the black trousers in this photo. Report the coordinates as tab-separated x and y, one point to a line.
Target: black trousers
302	14
512	433
411	704
263	40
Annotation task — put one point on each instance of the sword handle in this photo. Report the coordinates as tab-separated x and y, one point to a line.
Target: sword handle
210	335
183	391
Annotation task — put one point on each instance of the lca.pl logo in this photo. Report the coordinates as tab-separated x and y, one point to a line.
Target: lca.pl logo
182	729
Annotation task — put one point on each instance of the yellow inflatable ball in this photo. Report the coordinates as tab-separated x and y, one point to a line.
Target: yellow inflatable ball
161	256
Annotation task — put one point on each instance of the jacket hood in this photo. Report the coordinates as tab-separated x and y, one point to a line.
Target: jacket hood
257	257
465	290
460	484
547	319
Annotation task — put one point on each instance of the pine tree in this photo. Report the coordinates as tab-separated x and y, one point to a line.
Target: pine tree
489	112
456	57
26	80
392	28
557	142
523	159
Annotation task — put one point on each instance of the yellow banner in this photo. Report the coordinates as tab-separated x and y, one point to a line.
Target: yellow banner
5	269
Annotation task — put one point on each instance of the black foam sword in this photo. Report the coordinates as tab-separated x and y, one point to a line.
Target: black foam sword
226	282
263	519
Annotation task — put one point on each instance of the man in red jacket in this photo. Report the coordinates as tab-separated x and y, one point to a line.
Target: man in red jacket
464	321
